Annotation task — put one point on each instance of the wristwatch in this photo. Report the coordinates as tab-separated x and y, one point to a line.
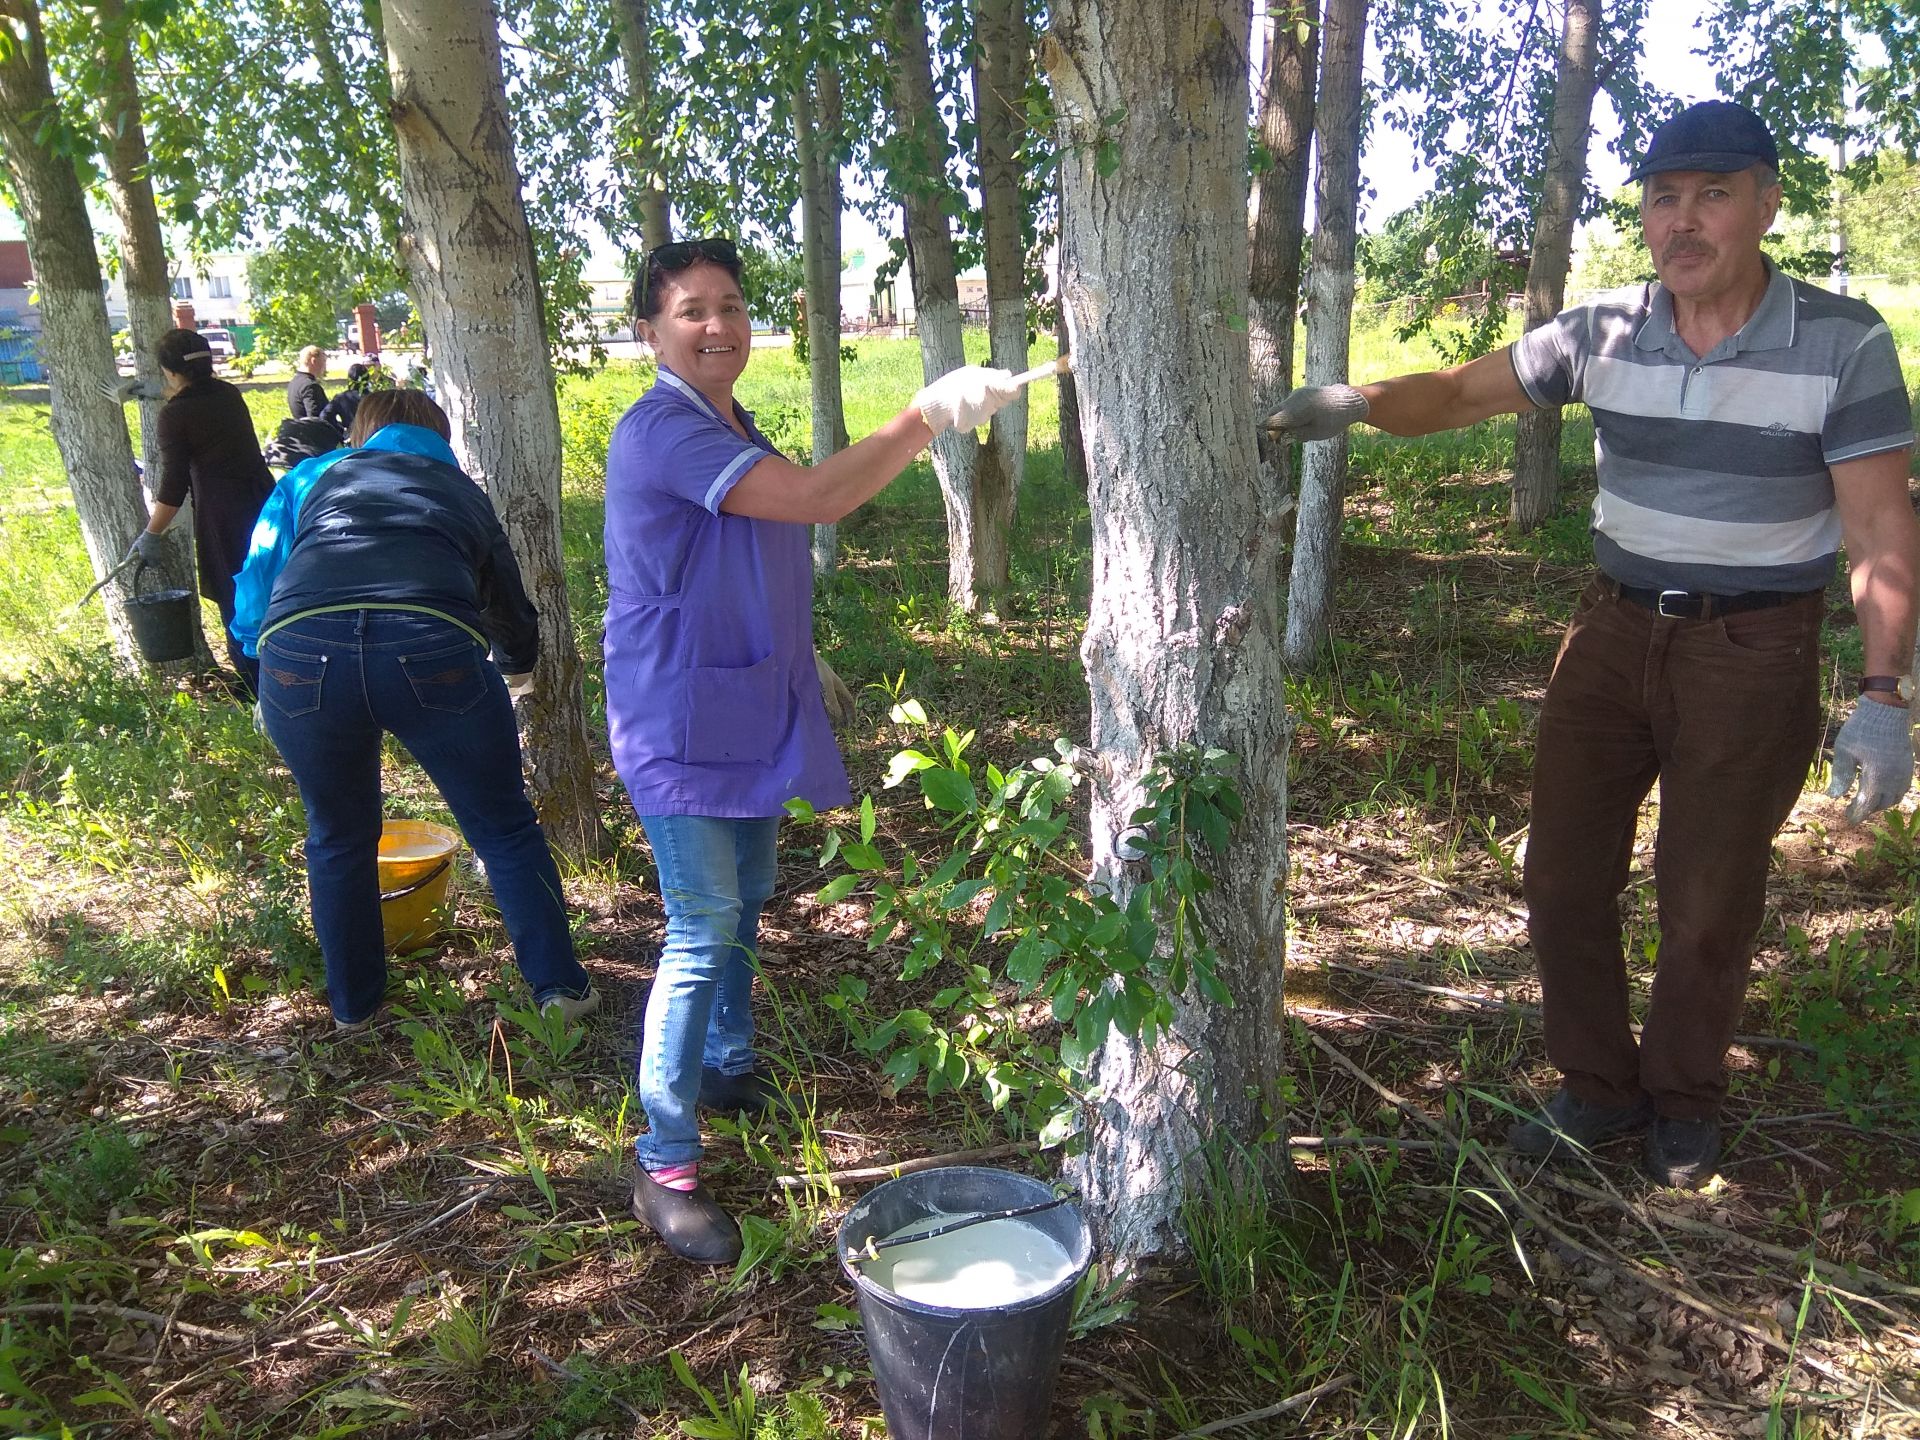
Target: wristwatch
1900	685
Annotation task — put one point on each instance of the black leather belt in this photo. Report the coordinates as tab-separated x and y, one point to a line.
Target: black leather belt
1691	605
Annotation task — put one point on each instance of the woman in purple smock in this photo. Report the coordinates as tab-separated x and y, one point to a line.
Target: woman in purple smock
714	694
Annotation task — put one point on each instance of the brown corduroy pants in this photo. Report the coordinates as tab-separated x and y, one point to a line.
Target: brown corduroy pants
1724	712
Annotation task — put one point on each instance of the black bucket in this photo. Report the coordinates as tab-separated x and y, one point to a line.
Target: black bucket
974	1374
163	622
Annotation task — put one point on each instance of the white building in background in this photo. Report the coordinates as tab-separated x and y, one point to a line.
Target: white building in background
867	306
215	285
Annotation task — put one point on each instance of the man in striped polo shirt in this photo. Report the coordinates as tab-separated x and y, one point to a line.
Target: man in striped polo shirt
1746	425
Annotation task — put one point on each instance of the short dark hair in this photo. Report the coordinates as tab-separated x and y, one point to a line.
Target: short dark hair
184	352
382	408
663	262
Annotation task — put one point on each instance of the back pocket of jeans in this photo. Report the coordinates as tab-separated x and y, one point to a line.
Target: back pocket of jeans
736	714
448	680
290	680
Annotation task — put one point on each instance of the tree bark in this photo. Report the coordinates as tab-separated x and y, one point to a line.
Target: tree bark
1182	640
1536	461
143	267
640	160
1001	49
75	343
1285	107
816	133
976	551
1323	478
470	254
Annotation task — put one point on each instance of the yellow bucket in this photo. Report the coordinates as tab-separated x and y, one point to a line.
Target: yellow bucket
416	861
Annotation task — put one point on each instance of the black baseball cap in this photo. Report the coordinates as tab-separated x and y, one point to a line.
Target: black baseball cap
1714	135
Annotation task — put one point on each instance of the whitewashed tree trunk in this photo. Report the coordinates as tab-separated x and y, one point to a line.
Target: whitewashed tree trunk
816	134
470	255
1323	475
1182	641
143	268
1536	460
646	189
76	346
1073	453
976	550
999	87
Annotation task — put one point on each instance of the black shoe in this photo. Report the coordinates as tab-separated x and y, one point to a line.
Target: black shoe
1685	1153
691	1222
1569	1124
750	1094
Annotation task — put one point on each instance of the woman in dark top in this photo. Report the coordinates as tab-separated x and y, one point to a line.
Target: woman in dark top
340	409
207	450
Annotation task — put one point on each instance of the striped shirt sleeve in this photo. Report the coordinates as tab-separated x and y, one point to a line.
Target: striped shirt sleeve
1546	359
1869	413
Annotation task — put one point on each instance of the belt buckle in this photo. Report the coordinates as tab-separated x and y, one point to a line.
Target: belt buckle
1681	597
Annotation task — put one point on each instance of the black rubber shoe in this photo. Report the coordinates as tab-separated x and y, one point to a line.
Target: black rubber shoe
750	1094
1569	1125
1685	1153
690	1222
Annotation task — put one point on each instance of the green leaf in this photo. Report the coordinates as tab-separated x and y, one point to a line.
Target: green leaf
948	790
866	819
961	895
863	857
908	712
836	890
997	914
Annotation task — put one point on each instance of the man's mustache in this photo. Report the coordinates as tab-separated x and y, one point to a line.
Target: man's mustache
1681	248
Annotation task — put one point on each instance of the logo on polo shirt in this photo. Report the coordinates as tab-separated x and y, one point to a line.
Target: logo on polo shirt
1778	430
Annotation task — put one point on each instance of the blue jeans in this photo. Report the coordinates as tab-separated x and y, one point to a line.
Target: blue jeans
714	876
329	686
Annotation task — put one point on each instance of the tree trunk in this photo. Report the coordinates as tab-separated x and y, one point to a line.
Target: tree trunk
143	266
1285	107
816	134
1182	640
1323	478
640	160
1536	460
999	90
976	552
75	343
1073	453
469	251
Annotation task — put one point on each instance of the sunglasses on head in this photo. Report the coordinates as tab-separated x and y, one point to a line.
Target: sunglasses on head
677	255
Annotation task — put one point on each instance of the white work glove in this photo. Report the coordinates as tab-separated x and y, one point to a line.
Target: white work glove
1317	412
1876	745
964	398
834	691
147	547
125	390
519	686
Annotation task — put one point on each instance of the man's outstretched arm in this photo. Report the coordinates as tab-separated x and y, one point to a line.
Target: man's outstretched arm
1419	404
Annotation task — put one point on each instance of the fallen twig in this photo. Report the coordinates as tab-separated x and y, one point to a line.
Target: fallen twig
369	1251
904	1167
198	1332
1284	1407
1463	892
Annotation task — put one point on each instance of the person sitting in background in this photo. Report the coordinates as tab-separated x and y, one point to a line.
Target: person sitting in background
377	579
714	692
340	409
207	450
306	397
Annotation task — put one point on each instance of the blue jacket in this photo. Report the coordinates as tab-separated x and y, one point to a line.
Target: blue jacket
394	524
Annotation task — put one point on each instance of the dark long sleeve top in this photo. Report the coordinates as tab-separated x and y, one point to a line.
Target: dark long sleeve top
208	450
306	396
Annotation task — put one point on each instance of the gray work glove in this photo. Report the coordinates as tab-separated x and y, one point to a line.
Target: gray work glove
1876	745
1317	412
519	686
147	547
964	398
834	691
125	390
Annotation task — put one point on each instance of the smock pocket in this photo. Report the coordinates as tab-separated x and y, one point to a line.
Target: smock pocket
735	714
290	680
449	680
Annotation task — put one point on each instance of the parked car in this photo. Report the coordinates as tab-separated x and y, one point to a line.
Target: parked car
220	342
